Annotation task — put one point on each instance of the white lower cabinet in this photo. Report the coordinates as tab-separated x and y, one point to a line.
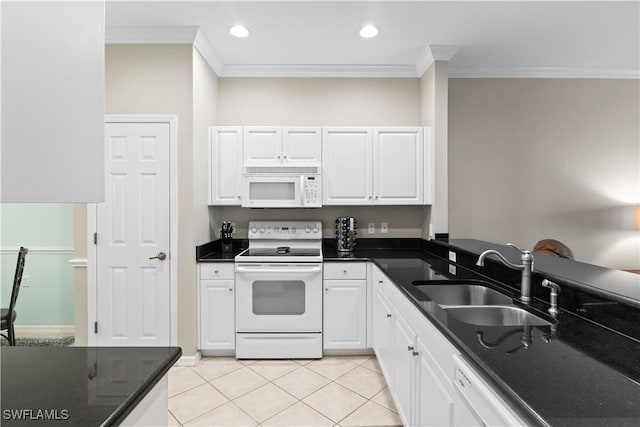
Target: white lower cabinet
420	365
345	306
217	307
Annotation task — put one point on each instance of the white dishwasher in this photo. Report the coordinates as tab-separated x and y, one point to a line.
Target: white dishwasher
487	407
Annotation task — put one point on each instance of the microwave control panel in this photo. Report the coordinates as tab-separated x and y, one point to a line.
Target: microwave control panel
312	191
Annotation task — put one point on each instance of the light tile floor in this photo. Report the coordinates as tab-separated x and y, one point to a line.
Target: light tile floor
332	391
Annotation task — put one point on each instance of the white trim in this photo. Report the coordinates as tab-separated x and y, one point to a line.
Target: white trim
320	71
78	262
48	250
543	72
150	35
189	360
45	331
203	45
441	52
172	120
192	35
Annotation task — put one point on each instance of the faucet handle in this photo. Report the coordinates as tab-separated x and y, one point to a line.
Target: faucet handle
553	285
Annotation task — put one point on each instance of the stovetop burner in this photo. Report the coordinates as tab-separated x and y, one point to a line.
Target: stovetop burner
280	251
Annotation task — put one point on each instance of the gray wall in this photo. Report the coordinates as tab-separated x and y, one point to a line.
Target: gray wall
547	158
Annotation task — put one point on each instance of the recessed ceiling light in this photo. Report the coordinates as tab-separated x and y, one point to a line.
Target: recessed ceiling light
368	31
239	31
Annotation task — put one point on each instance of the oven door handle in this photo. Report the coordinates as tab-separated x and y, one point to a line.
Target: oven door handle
296	269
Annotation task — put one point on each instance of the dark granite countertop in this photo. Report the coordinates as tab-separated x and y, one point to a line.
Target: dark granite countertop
583	371
79	386
576	373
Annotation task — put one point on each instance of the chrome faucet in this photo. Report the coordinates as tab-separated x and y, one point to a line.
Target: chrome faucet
555	290
527	267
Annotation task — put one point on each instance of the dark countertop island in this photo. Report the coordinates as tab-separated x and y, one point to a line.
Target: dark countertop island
79	386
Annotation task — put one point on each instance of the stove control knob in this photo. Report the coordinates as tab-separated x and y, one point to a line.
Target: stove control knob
254	230
307	230
293	229
262	230
315	230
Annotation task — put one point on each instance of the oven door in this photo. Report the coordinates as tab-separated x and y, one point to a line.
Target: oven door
273	191
278	297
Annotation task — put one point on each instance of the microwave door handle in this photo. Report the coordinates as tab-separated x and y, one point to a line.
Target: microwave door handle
303	199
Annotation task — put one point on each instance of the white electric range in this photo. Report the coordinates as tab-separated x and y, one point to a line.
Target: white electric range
279	291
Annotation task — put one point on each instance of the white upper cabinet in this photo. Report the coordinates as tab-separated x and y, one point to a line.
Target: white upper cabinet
347	166
53	101
398	166
376	166
277	146
262	146
302	146
225	172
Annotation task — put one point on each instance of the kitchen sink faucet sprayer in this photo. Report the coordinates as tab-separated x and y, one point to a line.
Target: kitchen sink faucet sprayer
527	267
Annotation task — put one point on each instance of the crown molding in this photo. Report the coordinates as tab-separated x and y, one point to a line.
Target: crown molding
543	72
192	35
320	71
150	35
207	51
435	53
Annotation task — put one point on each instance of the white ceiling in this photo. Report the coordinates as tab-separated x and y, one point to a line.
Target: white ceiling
320	38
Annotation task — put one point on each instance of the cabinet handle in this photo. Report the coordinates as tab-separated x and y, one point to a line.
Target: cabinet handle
285	157
388	314
380	281
344	271
326	289
414	353
216	271
278	156
410	348
230	289
369	197
376	197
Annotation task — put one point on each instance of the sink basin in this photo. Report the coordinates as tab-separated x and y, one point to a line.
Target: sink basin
496	316
463	294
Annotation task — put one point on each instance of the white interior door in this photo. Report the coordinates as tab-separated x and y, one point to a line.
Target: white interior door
133	231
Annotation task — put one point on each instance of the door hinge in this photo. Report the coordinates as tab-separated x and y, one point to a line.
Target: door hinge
95	327
95	238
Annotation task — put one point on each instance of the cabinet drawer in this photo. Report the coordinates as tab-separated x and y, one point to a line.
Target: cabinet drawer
217	270
345	270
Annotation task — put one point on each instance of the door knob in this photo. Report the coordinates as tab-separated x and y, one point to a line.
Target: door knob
161	256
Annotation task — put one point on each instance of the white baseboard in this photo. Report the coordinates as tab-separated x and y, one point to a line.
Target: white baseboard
45	331
345	352
189	360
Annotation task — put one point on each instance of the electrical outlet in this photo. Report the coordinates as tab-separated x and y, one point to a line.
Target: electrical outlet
384	227
25	282
431	236
452	270
372	228
452	256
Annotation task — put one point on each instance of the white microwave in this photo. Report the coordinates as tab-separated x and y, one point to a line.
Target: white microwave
282	187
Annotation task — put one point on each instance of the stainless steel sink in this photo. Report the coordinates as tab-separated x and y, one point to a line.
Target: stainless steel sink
463	294
495	316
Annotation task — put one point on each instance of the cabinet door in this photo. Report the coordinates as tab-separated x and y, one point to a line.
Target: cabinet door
398	166
404	344
262	146
217	315
434	405
382	318
345	314
302	146
346	166
225	165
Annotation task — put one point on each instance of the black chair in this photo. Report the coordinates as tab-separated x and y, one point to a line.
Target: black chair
8	315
